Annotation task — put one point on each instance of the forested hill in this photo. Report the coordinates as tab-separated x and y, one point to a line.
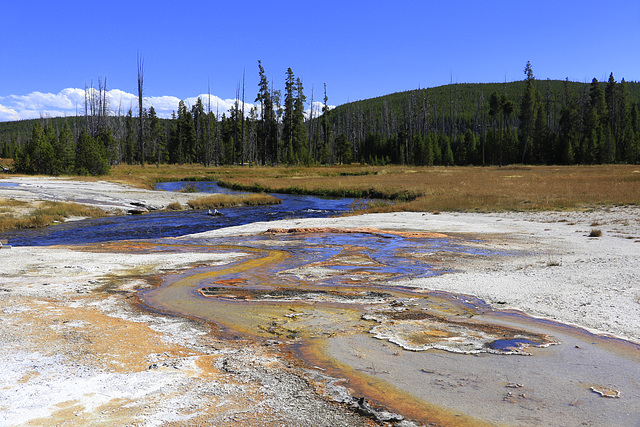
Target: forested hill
467	94
530	121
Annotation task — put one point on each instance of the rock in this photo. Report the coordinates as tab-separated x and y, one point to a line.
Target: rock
138	211
363	408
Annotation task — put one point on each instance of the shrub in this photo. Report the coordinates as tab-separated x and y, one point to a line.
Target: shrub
595	232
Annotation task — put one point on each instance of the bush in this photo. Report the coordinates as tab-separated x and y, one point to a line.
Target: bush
595	232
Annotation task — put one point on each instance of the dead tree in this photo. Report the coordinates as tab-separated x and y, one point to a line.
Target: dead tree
141	133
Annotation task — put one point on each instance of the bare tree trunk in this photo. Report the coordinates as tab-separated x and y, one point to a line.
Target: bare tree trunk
207	151
310	135
242	117
141	134
216	143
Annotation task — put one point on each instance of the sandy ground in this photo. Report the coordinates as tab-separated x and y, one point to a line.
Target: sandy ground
75	350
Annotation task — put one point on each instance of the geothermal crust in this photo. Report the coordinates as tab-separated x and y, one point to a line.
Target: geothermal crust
76	348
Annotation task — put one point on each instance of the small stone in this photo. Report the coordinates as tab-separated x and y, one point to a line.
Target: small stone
514	385
606	391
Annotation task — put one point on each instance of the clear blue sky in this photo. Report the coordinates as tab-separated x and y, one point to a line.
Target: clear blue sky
360	49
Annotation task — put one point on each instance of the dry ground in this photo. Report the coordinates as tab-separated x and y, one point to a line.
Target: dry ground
77	350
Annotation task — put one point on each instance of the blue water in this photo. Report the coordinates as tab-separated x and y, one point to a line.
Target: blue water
172	224
509	344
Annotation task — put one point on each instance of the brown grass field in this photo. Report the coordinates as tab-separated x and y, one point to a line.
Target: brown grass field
227	200
483	189
16	214
404	188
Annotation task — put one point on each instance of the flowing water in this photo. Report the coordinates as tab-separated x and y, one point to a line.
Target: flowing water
178	223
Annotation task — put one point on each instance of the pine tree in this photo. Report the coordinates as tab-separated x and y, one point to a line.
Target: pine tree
289	117
325	152
268	147
129	138
36	157
344	152
90	158
447	154
471	147
527	112
301	142
598	144
540	138
64	152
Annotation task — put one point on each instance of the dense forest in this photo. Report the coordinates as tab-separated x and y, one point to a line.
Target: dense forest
530	121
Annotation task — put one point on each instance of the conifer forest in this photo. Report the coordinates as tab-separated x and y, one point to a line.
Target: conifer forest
529	121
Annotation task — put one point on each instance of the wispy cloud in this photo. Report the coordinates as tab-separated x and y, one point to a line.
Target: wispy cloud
70	101
8	114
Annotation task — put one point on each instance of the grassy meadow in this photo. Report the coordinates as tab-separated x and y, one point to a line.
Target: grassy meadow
482	189
17	214
401	188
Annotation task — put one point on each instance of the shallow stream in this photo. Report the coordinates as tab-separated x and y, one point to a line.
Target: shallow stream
177	223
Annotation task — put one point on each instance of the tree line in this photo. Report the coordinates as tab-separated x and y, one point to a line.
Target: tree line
529	122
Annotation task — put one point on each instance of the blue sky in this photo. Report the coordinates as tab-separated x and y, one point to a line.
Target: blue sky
361	49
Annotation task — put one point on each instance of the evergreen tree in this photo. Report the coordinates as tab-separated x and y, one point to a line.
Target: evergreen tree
200	135
49	141
106	143
36	157
156	138
447	154
90	158
344	152
288	117
471	147
187	134
301	142
325	152
527	112
506	140
419	150
65	152
542	151
268	123
597	147
129	138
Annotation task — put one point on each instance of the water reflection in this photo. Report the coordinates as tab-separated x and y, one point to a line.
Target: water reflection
177	223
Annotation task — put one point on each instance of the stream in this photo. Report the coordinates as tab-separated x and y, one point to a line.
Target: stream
176	223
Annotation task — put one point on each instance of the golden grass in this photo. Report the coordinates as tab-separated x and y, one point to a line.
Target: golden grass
226	200
174	206
477	188
16	214
148	176
483	189
518	188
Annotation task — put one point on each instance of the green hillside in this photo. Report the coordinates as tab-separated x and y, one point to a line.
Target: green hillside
576	123
529	121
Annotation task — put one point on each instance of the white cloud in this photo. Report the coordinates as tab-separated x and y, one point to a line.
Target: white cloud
317	109
70	101
218	104
8	114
